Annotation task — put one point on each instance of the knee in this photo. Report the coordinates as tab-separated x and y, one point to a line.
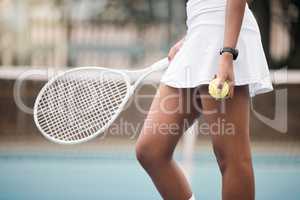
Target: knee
145	155
149	156
239	163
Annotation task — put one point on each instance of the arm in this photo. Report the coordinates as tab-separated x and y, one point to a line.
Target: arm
235	10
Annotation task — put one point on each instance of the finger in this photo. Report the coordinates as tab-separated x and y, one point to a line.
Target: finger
231	89
221	82
170	56
172	53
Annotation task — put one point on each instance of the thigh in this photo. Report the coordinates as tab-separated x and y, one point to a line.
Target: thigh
228	123
172	111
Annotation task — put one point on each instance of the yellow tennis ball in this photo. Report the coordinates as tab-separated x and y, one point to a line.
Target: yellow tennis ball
217	93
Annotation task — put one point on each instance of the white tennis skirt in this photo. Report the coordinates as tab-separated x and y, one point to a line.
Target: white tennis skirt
196	62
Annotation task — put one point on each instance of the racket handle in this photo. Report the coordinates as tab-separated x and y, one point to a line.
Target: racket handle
160	65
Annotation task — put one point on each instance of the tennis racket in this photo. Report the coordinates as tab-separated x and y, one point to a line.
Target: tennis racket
79	104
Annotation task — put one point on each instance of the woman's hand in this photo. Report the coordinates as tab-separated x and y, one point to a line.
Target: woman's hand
225	72
173	51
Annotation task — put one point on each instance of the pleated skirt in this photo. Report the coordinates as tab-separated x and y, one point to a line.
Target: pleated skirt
196	62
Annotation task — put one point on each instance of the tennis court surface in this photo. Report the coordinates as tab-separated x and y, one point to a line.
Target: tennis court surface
116	175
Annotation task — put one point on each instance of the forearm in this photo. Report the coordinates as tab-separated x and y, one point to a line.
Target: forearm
235	10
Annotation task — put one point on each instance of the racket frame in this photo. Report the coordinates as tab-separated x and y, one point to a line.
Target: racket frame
158	66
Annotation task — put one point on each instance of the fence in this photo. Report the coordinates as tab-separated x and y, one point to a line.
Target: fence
123	33
76	33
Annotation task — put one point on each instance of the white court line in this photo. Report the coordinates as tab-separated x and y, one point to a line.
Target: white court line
13	73
279	77
285	76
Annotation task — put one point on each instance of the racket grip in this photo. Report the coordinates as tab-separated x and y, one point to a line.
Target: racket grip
160	65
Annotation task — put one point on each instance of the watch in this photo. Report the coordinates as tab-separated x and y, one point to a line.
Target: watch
233	51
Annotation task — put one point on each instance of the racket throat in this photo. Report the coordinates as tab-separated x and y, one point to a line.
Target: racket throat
132	90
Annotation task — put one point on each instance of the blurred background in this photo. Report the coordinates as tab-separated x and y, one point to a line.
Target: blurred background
40	37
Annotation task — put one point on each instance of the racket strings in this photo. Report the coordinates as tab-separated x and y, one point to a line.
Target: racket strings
77	105
72	127
89	117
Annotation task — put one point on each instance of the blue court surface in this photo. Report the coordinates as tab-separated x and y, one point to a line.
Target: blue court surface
114	176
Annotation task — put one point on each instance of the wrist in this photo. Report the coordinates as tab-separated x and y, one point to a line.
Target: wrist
229	50
227	56
226	60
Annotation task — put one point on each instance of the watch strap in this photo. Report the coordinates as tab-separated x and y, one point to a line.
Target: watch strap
233	51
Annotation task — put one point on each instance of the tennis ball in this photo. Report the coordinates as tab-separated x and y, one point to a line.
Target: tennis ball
217	93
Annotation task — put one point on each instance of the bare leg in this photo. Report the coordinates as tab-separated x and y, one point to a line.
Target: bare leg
168	117
232	145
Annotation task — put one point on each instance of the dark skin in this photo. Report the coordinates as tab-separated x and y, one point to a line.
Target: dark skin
156	143
235	10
